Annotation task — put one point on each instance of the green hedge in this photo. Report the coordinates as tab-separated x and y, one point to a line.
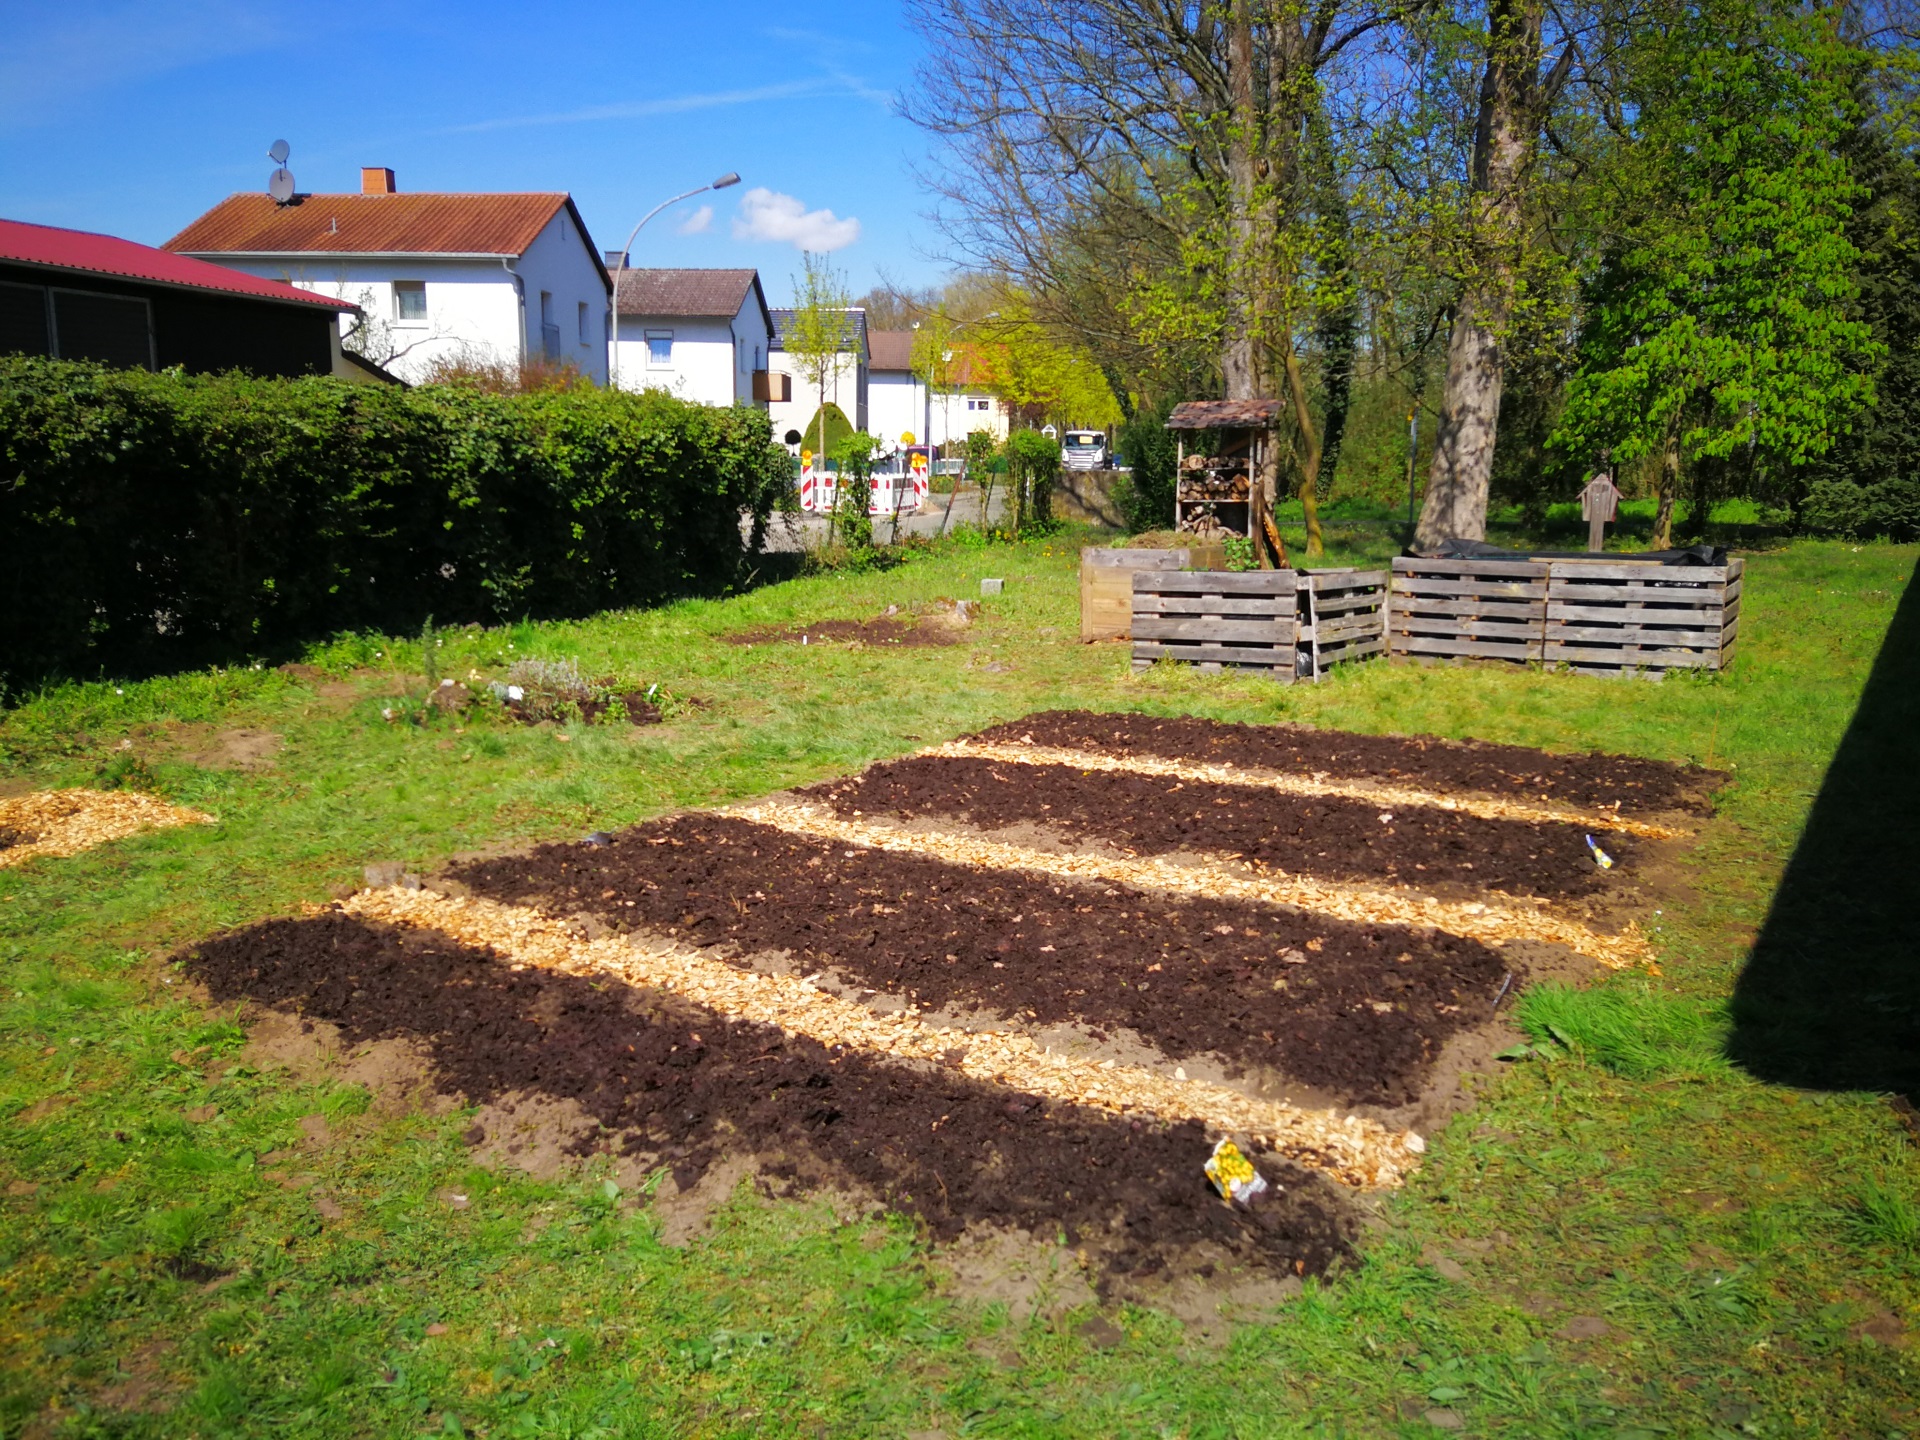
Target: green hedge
160	521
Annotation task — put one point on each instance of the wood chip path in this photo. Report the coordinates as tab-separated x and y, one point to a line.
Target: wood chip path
1491	923
1391	797
1349	1149
66	822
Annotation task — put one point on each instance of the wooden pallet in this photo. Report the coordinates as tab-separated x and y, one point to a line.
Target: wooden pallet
1625	619
1343	616
1246	620
1468	609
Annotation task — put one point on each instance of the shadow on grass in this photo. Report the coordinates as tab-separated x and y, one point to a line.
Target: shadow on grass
1830	998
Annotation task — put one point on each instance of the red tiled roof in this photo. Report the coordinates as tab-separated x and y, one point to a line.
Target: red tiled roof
890	349
85	252
423	224
710	294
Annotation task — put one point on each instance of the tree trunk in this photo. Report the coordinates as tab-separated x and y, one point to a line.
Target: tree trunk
1309	453
1669	487
1237	364
1503	146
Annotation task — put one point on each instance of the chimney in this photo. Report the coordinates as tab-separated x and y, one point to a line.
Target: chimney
376	180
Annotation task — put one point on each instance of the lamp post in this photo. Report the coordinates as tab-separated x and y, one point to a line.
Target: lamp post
730	178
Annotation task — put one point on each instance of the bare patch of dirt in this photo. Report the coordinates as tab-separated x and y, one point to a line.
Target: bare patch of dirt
209	747
945	624
142	1386
535	1133
394	1069
1462	766
694	1089
1033	1278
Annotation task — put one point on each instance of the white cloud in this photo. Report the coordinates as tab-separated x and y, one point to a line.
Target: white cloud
698	223
768	215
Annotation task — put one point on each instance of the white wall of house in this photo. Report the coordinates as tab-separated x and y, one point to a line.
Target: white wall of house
709	361
844	389
958	413
473	307
896	405
560	264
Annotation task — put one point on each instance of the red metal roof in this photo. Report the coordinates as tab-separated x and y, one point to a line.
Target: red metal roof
84	252
423	224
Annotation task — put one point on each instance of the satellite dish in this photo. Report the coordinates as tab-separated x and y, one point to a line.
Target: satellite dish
280	185
278	152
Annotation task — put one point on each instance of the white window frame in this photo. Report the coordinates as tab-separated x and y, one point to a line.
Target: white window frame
409	287
654	362
980	403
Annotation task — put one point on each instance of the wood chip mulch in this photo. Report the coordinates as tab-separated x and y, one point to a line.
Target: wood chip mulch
66	822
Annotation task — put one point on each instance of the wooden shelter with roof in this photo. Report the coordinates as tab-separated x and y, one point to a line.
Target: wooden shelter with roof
1214	492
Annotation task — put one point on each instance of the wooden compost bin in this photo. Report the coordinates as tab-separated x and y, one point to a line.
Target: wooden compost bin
1285	623
1607	616
1627	619
1468	609
1343	616
1106	582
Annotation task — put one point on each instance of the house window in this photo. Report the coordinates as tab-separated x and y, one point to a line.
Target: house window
979	402
410	301
549	331
660	348
583	322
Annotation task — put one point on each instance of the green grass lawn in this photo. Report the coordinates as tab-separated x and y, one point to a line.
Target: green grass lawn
1632	1235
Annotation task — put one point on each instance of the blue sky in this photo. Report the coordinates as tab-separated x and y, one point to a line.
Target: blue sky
132	118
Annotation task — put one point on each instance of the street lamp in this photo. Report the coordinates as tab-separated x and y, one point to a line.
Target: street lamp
730	178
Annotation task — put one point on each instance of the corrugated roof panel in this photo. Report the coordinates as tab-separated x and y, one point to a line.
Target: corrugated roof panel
84	251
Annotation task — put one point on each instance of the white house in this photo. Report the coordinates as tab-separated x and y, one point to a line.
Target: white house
896	397
846	383
495	278
704	335
900	402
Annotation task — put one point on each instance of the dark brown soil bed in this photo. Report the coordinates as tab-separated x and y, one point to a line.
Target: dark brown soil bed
691	1088
881	630
1443	852
1358	1013
1457	766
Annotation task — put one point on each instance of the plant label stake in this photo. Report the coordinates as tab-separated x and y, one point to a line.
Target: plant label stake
1599	503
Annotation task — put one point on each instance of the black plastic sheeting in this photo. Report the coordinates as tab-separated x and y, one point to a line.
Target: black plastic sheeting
1481	550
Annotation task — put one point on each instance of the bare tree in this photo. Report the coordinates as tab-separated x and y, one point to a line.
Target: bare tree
1148	155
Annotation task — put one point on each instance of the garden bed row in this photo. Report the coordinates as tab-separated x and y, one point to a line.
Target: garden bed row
1637	786
1356	1012
1442	852
687	1086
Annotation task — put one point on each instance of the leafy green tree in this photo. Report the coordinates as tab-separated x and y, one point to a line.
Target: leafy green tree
1868	484
1721	332
820	331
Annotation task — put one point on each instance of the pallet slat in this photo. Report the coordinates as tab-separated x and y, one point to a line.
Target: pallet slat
1277	630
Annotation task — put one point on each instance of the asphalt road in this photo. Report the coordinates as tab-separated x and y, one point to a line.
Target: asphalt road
803	532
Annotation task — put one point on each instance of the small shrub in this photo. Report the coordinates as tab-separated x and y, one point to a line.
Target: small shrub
1889	510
